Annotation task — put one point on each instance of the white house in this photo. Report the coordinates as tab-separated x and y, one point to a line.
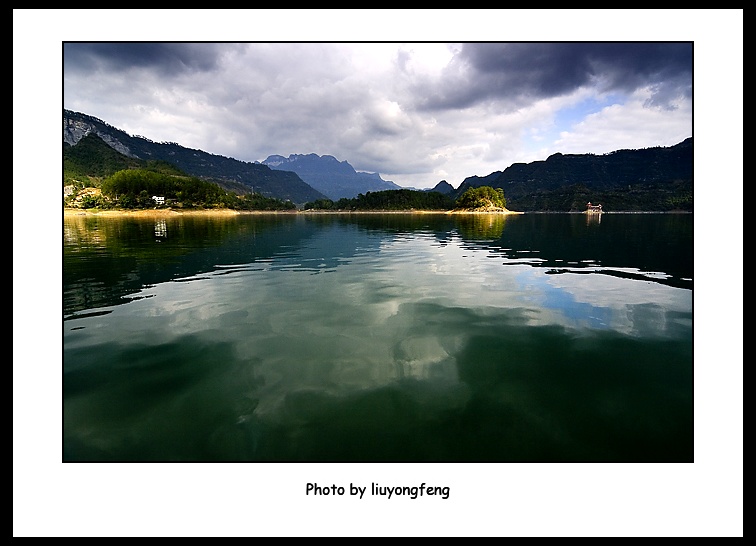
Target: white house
594	208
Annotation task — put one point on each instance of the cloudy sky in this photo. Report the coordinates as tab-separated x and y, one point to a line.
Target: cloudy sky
416	112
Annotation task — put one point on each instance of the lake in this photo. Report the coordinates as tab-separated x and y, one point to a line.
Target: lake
378	337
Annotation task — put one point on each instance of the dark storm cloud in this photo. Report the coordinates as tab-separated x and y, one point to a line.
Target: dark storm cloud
169	58
515	72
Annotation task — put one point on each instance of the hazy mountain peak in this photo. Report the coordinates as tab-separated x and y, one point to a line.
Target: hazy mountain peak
328	175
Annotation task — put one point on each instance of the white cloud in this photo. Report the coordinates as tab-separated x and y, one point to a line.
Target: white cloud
633	123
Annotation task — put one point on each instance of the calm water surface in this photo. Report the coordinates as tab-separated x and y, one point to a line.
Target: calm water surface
400	337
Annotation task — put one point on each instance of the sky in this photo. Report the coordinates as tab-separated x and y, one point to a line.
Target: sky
415	112
418	96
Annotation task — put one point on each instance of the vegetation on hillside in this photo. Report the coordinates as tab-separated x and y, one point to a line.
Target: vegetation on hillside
389	200
674	196
483	198
91	160
97	176
139	188
231	174
651	179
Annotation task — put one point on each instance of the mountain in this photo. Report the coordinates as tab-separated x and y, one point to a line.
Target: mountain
649	179
231	174
443	187
328	175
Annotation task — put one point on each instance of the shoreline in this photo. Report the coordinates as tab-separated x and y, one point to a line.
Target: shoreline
158	213
163	213
155	213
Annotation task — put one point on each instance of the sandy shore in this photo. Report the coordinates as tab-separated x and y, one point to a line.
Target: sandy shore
162	213
409	211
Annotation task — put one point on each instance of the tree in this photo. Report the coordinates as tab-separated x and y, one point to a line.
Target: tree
483	197
92	201
144	200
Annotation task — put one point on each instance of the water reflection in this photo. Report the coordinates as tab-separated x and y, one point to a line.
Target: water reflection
161	228
593	218
107	260
376	338
473	227
430	383
656	247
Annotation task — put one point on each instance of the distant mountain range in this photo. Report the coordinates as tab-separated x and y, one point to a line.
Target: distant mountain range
328	175
231	174
650	179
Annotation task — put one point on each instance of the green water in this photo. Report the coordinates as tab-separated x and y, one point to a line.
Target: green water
529	338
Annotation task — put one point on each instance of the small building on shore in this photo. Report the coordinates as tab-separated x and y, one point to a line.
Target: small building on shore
594	209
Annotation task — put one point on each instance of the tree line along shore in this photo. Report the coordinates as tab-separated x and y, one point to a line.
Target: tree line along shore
135	191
